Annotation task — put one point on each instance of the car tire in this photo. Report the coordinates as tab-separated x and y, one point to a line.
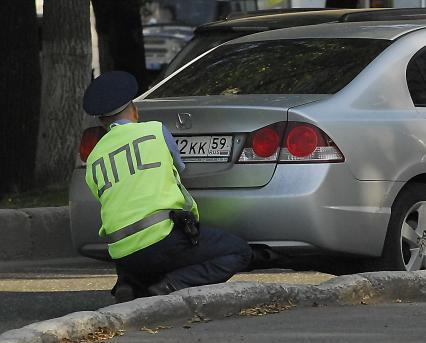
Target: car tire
405	243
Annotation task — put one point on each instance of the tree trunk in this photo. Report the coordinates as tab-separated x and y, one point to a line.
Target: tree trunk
102	10
121	46
66	71
20	93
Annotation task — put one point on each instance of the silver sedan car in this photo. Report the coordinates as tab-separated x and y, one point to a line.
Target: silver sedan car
303	139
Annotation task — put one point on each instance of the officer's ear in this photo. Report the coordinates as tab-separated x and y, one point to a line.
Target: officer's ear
135	114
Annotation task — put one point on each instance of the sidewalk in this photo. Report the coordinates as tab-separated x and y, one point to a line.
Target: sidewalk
34	233
104	279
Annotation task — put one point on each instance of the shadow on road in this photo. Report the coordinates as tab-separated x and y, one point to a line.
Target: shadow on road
18	309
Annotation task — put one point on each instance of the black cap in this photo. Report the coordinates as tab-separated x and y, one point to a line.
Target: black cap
110	93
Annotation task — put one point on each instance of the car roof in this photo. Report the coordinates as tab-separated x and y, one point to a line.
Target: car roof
273	10
277	20
388	30
259	21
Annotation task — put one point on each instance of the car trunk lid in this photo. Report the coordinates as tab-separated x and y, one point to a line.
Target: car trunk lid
222	116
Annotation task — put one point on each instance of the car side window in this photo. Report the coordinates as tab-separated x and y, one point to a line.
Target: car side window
416	78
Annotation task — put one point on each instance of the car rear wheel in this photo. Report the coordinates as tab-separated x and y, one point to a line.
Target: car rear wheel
405	244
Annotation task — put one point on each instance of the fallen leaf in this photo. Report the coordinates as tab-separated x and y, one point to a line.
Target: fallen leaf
151	331
195	319
156	330
100	335
265	309
198	318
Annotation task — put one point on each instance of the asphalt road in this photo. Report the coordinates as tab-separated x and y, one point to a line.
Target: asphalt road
18	309
364	323
40	290
35	291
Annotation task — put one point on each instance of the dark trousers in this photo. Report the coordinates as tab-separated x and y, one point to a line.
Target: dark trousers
217	257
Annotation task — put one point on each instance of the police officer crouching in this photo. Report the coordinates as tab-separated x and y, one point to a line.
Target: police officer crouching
149	219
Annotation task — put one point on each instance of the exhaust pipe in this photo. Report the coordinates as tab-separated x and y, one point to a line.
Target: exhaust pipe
263	256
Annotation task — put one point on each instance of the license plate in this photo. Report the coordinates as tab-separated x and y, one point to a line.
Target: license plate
205	148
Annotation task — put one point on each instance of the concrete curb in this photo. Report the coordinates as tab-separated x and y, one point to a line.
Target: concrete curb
35	233
217	301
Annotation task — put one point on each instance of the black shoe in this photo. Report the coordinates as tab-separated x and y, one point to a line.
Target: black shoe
142	292
161	288
124	293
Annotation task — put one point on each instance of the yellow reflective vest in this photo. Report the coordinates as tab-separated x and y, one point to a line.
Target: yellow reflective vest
131	172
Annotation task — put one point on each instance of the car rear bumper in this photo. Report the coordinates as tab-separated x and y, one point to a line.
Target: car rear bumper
303	206
321	205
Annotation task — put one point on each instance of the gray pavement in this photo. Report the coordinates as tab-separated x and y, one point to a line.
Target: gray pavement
35	233
225	300
58	267
387	323
18	309
32	291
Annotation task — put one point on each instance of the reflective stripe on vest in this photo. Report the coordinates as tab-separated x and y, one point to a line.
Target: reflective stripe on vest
150	220
138	226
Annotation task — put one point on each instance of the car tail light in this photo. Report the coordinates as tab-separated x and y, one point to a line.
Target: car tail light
296	142
266	142
306	143
90	137
302	140
263	145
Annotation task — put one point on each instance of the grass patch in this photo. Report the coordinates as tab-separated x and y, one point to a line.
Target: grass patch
49	197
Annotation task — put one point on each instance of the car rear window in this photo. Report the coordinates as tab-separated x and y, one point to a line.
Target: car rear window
198	45
296	66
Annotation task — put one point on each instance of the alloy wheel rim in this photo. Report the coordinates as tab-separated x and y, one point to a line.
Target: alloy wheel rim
413	237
